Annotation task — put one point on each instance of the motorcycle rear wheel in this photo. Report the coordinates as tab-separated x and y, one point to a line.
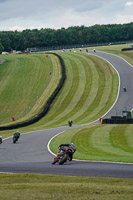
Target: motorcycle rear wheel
63	159
14	140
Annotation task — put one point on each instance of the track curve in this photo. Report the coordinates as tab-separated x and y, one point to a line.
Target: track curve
125	70
30	153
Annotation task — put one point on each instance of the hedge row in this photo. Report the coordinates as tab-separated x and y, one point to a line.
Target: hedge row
47	105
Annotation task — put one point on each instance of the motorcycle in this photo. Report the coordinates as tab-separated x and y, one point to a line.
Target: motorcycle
70	123
124	89
63	155
0	139
16	136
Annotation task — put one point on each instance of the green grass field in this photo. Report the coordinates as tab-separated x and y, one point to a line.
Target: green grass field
26	84
89	91
99	142
51	187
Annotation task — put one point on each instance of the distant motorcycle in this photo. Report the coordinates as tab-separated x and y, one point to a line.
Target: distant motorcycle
70	123
63	155
124	89
0	139
16	136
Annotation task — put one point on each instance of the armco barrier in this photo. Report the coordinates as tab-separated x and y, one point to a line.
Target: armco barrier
47	105
117	121
127	49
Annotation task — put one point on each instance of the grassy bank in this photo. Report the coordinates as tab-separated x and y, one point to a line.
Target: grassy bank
89	91
99	142
26	84
38	187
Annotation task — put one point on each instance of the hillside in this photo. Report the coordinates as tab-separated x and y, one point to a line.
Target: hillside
27	81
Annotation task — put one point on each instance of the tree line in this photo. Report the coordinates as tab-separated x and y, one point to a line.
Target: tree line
16	40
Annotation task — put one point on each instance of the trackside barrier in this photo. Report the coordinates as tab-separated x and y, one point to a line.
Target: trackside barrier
127	49
0	139
117	121
47	105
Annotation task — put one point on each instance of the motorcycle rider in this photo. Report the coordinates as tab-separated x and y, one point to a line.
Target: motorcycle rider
16	136
63	147
69	145
70	123
124	89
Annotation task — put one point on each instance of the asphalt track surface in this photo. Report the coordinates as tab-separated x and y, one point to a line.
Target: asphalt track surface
30	154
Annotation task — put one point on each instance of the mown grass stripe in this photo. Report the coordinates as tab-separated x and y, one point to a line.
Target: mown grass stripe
61	99
26	75
76	102
5	75
95	142
105	143
89	91
129	135
63	107
81	93
30	79
90	111
60	102
90	105
106	89
54	79
119	139
80	104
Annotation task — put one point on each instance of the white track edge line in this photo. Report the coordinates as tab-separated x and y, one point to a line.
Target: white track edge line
118	57
48	145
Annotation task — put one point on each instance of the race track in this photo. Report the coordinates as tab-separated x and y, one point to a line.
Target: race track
125	70
30	153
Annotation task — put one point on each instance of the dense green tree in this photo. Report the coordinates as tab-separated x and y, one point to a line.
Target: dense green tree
1	47
5	41
75	35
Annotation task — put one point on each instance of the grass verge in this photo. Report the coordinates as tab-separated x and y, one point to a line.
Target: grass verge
38	187
26	84
99	142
